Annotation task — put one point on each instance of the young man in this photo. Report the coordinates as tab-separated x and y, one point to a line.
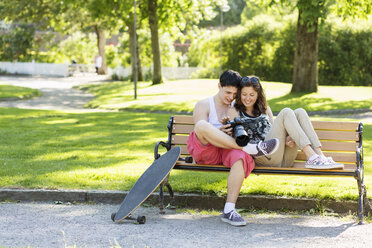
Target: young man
210	142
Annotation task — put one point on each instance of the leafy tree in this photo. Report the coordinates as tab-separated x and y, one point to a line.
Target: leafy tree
231	18
176	17
66	16
122	13
89	15
154	26
16	43
310	13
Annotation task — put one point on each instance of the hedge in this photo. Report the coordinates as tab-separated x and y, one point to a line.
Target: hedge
265	47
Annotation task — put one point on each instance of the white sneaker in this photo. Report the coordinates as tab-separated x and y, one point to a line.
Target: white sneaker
331	161
320	164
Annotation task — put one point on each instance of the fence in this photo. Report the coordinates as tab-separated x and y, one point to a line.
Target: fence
32	68
167	72
65	70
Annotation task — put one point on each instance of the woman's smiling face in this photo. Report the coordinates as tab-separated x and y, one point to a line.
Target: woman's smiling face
248	97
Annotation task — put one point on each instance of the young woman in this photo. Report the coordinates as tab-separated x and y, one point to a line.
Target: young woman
293	128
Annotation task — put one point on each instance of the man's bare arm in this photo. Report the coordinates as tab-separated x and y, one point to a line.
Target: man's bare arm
201	111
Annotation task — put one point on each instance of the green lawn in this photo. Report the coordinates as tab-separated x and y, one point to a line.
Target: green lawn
8	92
181	96
109	151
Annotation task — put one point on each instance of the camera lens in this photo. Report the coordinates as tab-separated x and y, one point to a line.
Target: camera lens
241	136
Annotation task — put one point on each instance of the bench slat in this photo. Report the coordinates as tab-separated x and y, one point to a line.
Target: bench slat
182	139
337	156
337	135
179	139
183	119
326	146
339	146
336	125
301	164
322	134
295	168
325	125
182	128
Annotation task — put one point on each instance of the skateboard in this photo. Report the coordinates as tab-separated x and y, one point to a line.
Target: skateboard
145	185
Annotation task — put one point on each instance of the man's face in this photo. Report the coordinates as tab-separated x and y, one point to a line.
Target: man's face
227	93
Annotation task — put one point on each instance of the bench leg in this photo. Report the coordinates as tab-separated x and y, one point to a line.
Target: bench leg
161	195
161	198
171	194
361	201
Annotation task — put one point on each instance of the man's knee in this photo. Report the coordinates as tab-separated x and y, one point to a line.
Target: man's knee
200	127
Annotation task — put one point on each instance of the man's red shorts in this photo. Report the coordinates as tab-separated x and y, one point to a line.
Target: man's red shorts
209	154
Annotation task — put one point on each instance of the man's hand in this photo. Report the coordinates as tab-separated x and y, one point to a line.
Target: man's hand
226	128
289	142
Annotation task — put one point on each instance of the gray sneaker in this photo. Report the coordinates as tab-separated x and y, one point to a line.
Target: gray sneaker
233	218
319	164
267	147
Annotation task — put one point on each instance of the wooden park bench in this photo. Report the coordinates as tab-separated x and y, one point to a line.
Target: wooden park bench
340	140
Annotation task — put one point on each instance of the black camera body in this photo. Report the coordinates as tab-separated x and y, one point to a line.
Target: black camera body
240	135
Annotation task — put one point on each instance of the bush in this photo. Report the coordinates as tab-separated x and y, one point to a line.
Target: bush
345	55
205	73
246	49
17	43
266	47
282	64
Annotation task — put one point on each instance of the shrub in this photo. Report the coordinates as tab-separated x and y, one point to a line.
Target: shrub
345	55
266	47
17	43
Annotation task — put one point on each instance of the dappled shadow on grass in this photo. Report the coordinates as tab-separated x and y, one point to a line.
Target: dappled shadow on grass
311	103
48	148
209	183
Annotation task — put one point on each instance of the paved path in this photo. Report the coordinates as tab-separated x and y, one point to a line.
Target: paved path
50	225
57	93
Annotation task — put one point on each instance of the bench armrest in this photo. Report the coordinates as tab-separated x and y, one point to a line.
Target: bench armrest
163	144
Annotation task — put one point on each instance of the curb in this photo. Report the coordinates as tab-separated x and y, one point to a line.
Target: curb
182	200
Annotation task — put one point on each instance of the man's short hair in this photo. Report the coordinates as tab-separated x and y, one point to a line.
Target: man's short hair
230	78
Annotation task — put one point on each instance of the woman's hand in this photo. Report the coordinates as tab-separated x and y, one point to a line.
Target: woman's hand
289	142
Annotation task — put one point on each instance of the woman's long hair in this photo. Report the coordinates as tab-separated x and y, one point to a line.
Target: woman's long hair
260	105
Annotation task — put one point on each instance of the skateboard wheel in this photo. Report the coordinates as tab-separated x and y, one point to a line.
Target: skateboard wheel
141	219
113	216
188	160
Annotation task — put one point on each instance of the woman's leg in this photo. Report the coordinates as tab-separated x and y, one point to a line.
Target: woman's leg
290	154
278	130
307	127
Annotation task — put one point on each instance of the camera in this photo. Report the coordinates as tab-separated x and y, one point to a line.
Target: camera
240	135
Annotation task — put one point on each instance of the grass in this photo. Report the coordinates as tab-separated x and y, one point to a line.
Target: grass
8	92
181	96
109	151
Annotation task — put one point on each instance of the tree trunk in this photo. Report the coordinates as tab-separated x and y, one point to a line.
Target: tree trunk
131	48
153	22
101	42
305	68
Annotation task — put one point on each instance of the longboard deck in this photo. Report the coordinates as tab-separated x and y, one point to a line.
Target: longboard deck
147	183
